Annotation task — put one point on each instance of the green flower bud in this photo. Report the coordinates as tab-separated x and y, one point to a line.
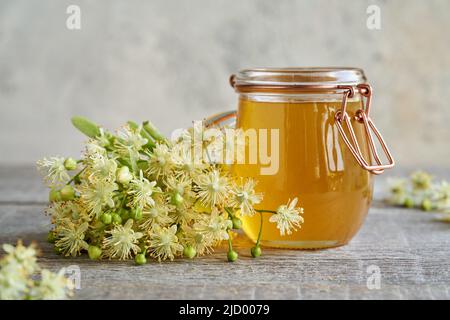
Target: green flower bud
54	195
70	164
106	218
116	218
232	256
51	237
136	214
77	180
57	250
176	199
67	193
427	205
237	223
140	259
94	252
408	203
124	175
189	252
124	214
256	251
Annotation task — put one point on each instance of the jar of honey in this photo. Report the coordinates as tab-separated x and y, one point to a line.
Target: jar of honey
327	154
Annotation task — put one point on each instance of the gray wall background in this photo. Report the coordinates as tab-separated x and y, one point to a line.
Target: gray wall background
169	61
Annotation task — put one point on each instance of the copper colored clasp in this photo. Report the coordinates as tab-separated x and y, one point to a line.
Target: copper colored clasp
362	116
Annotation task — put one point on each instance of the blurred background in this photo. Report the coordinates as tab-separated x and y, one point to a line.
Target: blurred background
169	61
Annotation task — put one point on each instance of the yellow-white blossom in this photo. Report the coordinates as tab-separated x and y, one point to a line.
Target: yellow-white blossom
52	286
142	191
163	243
180	191
158	214
96	195
122	241
102	168
71	238
442	196
214	227
18	267
244	197
398	191
288	218
129	141
55	173
24	256
186	162
421	180
161	161
212	187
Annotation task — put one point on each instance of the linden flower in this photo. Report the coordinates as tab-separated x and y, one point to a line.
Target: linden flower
212	188
288	217
421	180
442	196
183	215
157	215
245	197
180	185
53	286
185	163
129	141
24	256
54	170
122	242
63	211
214	227
71	238
142	190
94	149
195	239
161	161
102	168
16	269
98	194
180	190
13	281
163	243
397	186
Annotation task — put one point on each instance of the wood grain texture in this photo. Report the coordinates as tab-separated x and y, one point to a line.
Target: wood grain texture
410	247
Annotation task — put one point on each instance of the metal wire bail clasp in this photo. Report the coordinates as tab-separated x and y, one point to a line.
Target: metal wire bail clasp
362	116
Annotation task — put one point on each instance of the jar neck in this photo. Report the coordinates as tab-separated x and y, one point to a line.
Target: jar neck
296	97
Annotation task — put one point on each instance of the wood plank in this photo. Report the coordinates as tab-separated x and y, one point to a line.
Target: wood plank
21	185
410	248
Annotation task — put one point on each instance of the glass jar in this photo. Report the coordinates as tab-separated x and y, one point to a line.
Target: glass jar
326	152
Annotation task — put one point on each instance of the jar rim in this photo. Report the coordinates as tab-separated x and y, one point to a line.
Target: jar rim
298	77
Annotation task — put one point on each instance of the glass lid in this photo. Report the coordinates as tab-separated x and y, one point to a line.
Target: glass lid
291	78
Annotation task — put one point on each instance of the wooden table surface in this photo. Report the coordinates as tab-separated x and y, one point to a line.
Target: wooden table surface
410	248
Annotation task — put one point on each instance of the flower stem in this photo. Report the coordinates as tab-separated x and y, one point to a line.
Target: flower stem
260	228
261	224
230	245
230	212
262	210
76	176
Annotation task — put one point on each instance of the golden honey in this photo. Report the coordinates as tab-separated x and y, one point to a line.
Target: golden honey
314	165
